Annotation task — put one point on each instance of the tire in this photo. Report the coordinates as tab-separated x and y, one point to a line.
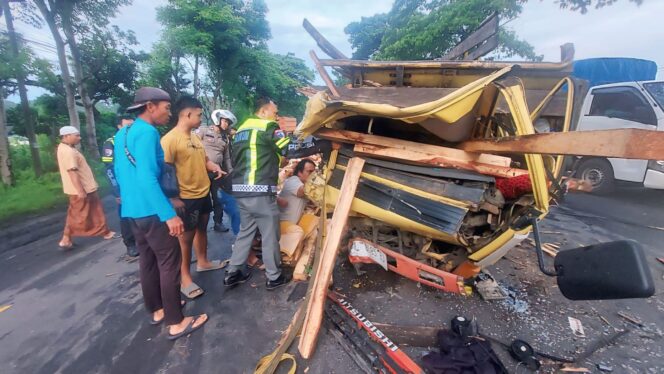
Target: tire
599	173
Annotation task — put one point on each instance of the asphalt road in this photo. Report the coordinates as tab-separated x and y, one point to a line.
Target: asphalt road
81	311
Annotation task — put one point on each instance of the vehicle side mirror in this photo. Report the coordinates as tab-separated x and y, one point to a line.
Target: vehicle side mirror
613	270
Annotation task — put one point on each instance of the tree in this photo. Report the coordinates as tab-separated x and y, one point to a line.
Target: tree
110	66
75	18
17	65
427	29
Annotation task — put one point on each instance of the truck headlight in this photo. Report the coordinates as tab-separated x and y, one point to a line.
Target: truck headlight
656	165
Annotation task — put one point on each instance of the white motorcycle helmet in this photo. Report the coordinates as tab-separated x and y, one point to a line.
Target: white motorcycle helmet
218	114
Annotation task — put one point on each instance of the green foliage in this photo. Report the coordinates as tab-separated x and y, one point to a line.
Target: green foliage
583	5
427	29
31	194
110	65
229	38
22	161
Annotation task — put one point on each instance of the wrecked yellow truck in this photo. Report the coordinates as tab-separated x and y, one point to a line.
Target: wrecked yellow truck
419	194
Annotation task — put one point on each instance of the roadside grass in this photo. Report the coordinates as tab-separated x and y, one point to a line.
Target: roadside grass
31	195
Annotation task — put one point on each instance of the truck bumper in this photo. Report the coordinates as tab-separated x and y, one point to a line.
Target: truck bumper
654	179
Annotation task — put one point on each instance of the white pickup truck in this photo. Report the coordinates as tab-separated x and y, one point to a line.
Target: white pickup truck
635	105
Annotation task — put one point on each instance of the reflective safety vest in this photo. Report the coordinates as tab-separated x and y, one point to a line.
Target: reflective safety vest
107	151
258	147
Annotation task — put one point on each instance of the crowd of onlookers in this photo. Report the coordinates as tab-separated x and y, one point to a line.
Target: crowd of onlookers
167	188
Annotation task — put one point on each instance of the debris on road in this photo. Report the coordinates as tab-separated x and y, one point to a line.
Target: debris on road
577	327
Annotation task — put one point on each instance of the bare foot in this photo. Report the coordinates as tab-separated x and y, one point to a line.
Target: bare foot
180	327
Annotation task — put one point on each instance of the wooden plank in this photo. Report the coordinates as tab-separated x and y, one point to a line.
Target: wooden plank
434	64
488	28
352	137
306	259
323	43
316	305
483	49
414	336
421	158
621	143
323	74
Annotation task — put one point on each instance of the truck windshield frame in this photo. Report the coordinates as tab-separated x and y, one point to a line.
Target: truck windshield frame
656	91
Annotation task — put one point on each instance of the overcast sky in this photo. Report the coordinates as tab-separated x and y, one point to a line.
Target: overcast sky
620	30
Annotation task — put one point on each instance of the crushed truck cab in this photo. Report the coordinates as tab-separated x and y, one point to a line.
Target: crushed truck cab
419	193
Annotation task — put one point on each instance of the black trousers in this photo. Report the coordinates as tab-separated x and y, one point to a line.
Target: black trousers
159	260
125	230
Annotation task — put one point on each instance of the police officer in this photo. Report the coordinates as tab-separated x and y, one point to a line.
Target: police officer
107	159
216	141
258	147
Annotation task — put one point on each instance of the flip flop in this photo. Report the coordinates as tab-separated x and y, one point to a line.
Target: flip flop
114	236
66	247
216	265
192	291
154	322
189	329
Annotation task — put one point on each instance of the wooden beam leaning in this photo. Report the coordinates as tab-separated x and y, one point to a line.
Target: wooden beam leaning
488	27
323	43
621	143
323	74
316	305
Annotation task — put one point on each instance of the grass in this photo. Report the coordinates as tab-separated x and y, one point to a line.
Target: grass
31	195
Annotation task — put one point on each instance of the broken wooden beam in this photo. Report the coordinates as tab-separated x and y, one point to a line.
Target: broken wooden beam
323	43
415	157
316	305
323	74
487	28
352	137
621	143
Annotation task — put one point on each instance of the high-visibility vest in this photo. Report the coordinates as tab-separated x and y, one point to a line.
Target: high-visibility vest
107	151
258	147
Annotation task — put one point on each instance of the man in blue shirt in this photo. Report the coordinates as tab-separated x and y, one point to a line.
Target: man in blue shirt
138	166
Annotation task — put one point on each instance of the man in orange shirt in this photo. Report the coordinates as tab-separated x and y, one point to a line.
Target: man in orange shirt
85	215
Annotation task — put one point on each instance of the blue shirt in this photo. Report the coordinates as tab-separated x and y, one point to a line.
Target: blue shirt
140	191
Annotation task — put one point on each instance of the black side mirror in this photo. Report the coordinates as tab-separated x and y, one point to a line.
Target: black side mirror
613	270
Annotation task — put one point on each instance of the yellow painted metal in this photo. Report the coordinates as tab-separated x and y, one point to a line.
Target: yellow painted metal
514	94
414	191
496	244
322	111
569	106
369	210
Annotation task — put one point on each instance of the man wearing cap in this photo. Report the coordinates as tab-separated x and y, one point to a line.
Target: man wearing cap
107	158
216	140
155	224
85	215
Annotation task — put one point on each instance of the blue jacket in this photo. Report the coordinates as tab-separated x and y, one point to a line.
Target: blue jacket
140	191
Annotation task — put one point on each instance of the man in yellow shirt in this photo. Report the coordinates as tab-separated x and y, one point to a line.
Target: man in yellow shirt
185	150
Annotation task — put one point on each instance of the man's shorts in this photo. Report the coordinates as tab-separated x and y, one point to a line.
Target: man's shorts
193	210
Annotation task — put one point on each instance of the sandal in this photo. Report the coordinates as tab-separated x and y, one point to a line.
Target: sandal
111	235
189	329
192	291
66	247
155	322
216	265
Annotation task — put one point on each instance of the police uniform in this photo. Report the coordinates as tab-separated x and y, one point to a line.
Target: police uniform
125	225
217	148
258	147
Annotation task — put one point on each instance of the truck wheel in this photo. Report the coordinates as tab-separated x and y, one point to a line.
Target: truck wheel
599	173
